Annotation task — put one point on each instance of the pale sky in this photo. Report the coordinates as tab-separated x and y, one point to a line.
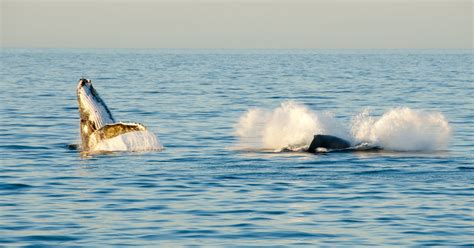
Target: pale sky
237	24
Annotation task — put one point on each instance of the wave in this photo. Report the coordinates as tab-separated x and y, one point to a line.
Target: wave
293	125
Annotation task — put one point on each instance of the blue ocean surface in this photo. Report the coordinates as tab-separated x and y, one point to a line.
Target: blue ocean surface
209	186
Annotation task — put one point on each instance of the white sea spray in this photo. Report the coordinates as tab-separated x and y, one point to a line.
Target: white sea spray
131	141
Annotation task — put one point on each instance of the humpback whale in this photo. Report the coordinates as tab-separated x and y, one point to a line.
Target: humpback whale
101	132
328	142
331	143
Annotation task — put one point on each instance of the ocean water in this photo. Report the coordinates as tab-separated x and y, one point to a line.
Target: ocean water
225	178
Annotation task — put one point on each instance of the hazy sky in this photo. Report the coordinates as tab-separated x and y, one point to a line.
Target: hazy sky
237	24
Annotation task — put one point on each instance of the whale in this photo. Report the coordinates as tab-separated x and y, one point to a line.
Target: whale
100	131
328	142
323	143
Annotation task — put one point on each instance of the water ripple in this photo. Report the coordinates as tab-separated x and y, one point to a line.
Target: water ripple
201	190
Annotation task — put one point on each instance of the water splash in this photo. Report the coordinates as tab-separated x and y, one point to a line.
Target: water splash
403	129
131	141
292	126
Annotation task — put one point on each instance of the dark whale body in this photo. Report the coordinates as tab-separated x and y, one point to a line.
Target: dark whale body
328	142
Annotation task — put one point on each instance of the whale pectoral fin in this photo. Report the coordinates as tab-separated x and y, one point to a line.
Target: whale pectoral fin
112	130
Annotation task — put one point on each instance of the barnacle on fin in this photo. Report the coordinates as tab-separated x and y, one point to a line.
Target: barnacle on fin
113	130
